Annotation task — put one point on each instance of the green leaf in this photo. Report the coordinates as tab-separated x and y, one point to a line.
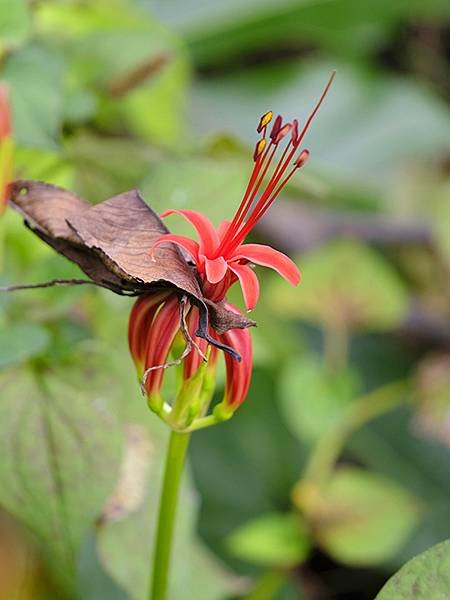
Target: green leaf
425	577
345	285
272	540
60	452
395	449
359	518
20	342
206	184
313	398
34	75
102	166
143	85
14	23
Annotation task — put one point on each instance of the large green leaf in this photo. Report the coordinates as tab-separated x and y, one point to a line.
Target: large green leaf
397	450
345	285
211	185
425	577
271	540
358	517
34	75
313	398
60	450
20	342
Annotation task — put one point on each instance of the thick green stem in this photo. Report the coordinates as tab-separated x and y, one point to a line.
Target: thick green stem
176	455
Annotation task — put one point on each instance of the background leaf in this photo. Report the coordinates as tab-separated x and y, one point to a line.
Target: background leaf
359	517
425	576
272	540
60	452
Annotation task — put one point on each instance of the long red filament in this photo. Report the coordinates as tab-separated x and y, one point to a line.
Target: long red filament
239	228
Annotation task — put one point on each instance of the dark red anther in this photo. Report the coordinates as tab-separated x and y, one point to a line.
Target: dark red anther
276	128
294	132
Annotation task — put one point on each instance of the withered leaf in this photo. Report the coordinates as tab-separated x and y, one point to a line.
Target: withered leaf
111	243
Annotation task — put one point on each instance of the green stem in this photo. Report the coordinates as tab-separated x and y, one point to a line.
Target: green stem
176	454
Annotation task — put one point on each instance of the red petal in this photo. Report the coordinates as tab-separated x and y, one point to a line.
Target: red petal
159	341
223	228
207	235
238	373
269	257
249	284
190	245
141	317
5	114
215	269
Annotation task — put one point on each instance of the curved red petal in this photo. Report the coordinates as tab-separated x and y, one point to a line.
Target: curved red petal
189	245
215	269
269	257
249	284
207	235
238	374
159	341
141	317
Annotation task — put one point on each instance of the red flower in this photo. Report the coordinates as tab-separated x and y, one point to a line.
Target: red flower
6	147
220	256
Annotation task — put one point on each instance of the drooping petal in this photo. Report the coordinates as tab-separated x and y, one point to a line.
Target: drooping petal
269	257
238	373
215	269
207	235
249	284
186	243
141	317
160	338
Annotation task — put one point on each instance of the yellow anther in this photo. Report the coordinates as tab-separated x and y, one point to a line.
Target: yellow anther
264	121
259	149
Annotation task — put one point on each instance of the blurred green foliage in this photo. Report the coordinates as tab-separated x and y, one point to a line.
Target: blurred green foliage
335	471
